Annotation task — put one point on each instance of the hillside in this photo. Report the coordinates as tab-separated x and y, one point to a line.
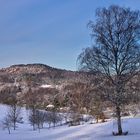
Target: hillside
46	81
42	74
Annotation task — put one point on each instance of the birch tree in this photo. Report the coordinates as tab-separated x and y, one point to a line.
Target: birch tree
115	53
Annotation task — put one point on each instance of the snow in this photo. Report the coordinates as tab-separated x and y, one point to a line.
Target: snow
46	86
101	131
59	87
50	106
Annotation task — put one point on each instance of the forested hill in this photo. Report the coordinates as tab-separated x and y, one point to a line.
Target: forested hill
41	74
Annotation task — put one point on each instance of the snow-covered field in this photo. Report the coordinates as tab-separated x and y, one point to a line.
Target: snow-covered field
87	131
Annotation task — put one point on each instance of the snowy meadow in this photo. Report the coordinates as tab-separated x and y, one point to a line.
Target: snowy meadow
85	131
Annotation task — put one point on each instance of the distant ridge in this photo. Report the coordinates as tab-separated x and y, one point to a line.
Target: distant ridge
43	74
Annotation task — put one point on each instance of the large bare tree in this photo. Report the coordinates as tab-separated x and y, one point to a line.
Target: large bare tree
115	53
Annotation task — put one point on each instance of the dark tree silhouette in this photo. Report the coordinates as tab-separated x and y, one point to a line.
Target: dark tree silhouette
116	53
7	124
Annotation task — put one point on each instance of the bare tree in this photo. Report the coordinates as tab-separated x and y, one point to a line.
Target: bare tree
97	107
40	119
116	53
49	119
37	119
7	124
80	100
32	103
78	96
14	115
32	118
14	112
53	117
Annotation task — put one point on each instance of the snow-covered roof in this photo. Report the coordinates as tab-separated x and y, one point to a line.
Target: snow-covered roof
50	106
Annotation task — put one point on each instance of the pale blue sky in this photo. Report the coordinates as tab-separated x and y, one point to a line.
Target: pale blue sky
51	32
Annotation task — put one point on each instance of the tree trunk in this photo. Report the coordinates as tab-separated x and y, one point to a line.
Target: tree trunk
49	125
33	127
118	113
14	125
8	130
97	119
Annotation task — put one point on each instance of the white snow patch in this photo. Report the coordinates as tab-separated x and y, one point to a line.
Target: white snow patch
50	106
46	86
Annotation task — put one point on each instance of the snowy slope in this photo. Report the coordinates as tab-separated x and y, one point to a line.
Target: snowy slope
100	131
